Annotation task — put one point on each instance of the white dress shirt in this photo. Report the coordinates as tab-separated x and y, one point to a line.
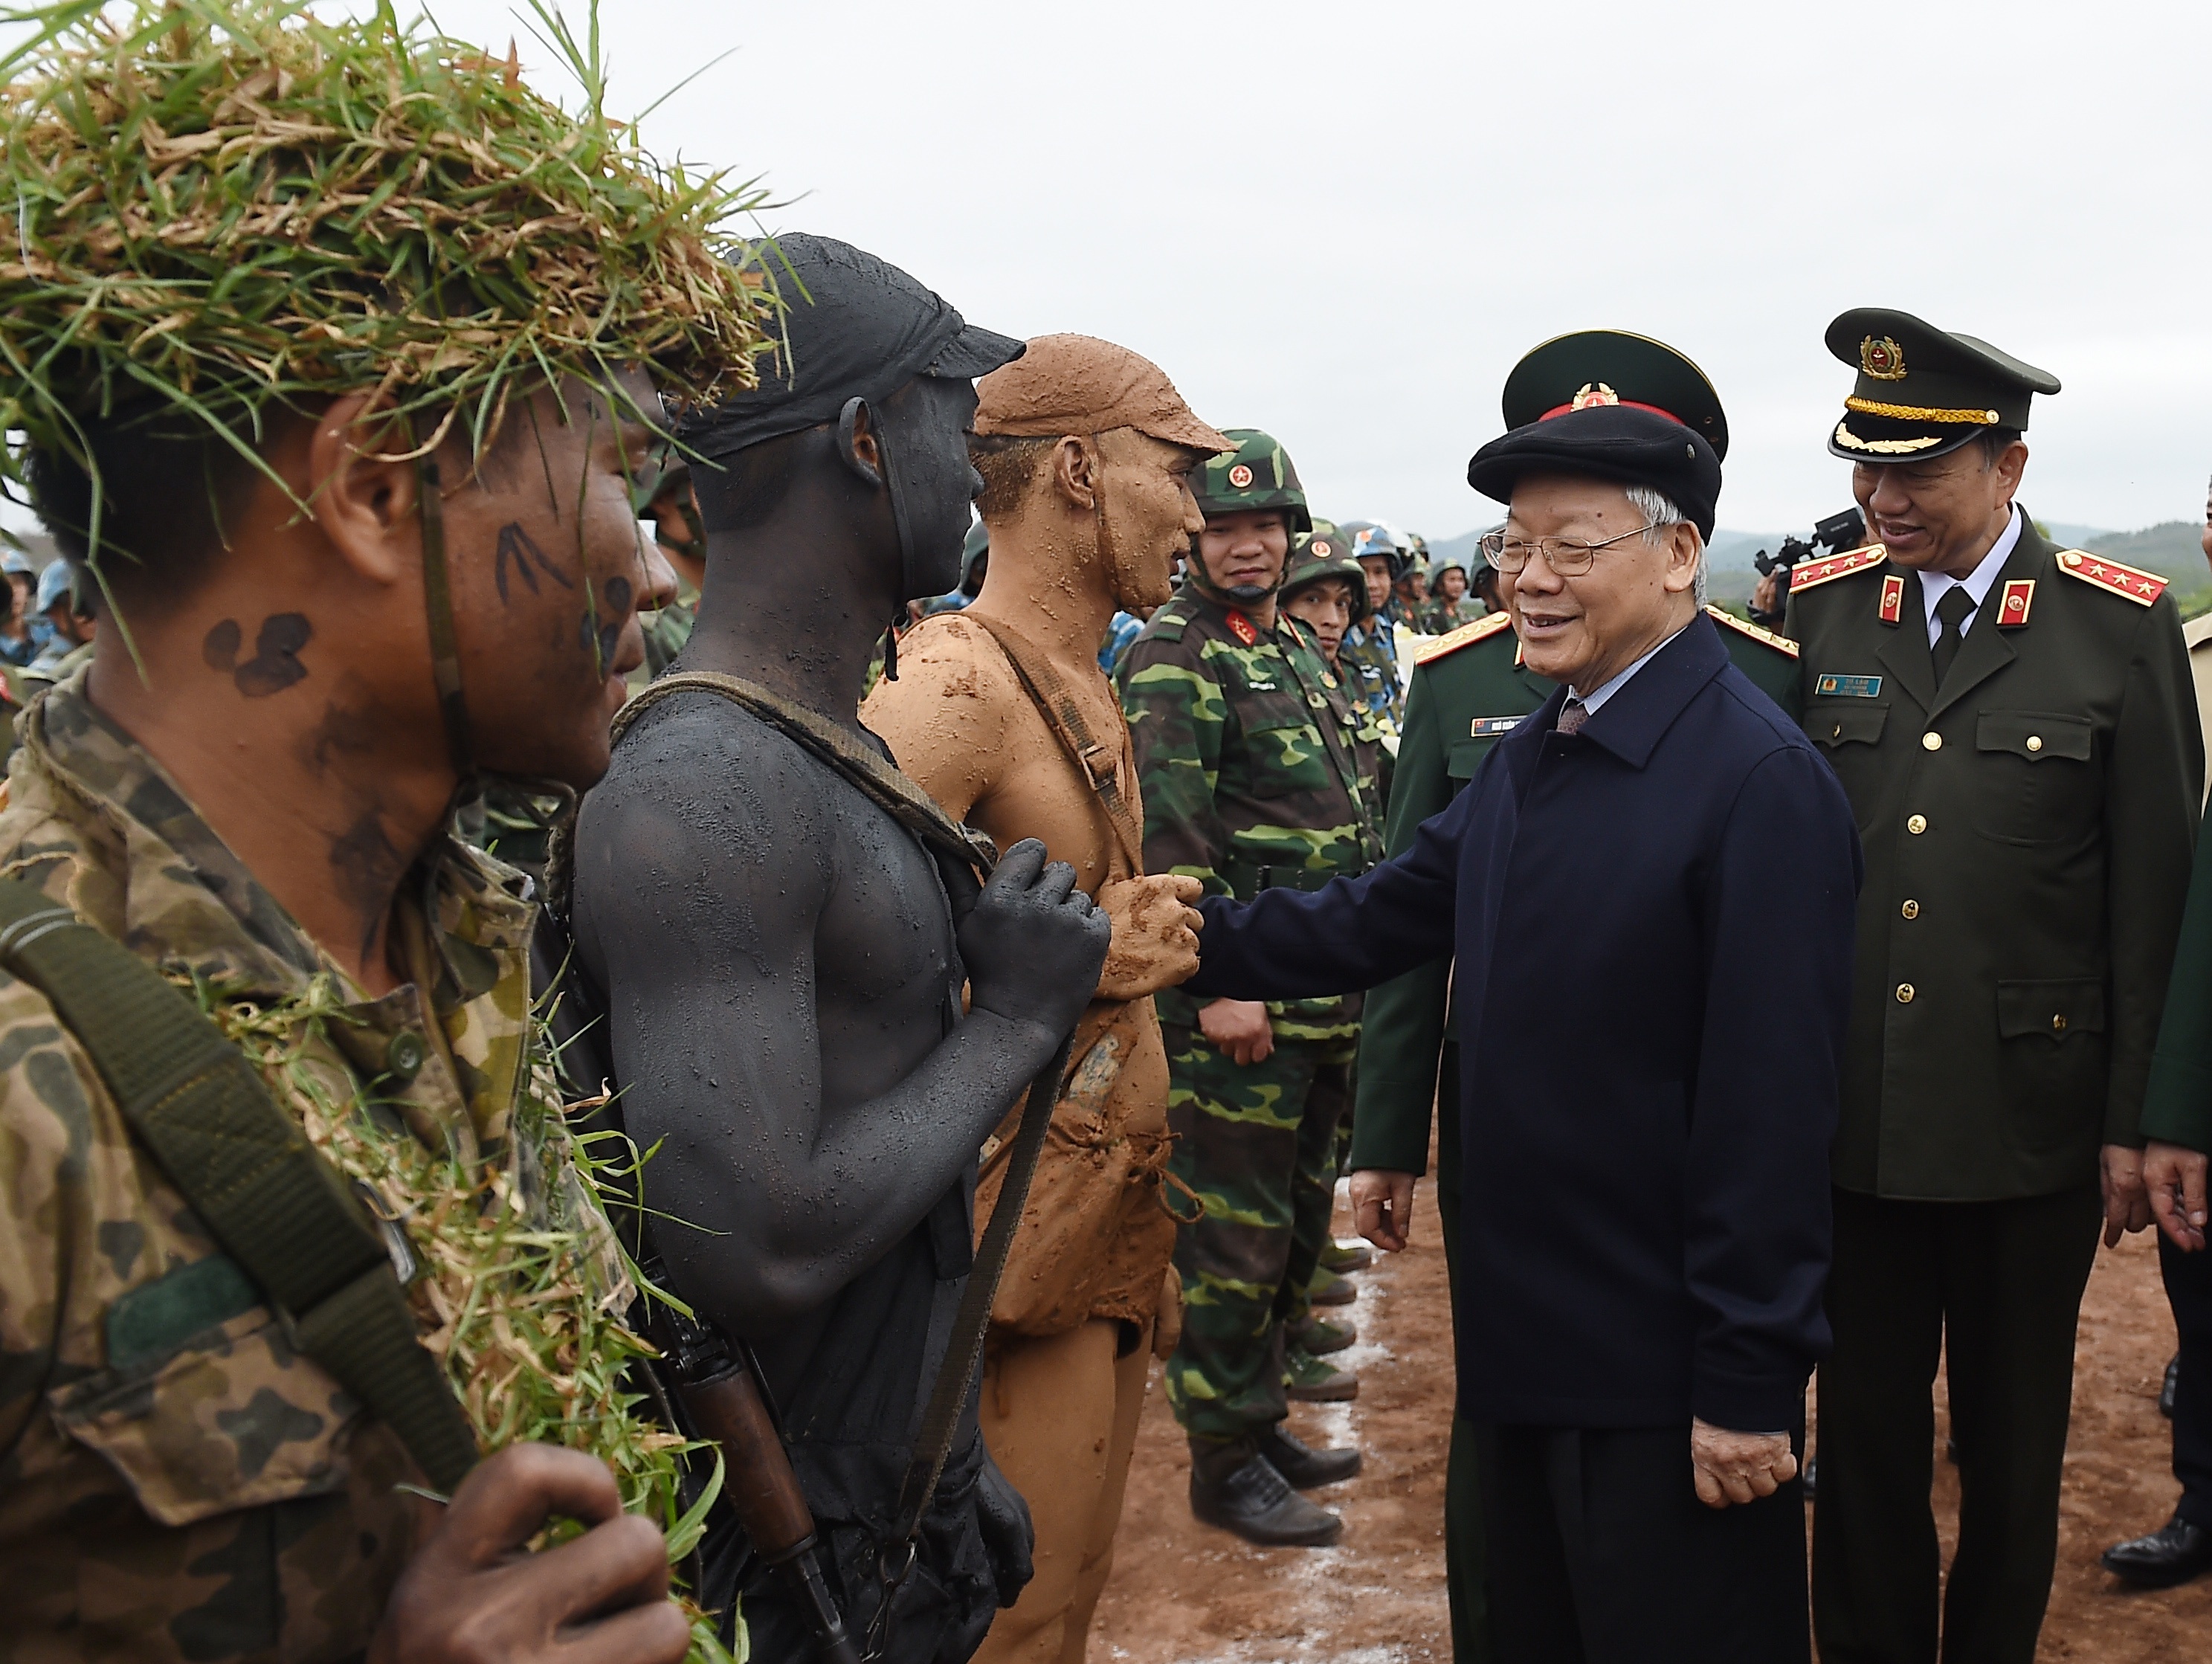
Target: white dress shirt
1975	583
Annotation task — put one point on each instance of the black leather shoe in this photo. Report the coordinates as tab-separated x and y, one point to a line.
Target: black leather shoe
1302	1466
2174	1553
1238	1489
2167	1387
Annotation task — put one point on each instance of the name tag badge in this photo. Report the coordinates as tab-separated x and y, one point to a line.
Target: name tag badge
1489	727
1848	687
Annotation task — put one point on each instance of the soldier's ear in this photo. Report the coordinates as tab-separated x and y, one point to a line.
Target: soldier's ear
1075	464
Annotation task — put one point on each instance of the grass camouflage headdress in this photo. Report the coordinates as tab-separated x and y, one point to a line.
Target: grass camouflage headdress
224	206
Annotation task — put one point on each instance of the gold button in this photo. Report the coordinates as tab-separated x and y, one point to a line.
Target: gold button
1904	993
2059	1023
1910	909
2035	742
1917	825
1931	742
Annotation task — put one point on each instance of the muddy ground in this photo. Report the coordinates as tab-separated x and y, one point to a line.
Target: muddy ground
1181	1593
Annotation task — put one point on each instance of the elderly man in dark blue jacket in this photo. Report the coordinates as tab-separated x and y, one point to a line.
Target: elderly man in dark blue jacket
1648	886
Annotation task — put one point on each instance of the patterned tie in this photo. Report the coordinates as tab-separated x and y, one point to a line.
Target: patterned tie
1952	611
1572	716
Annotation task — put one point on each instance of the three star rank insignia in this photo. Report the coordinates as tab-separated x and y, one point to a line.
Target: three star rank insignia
2140	587
1243	629
1807	574
1892	609
2016	597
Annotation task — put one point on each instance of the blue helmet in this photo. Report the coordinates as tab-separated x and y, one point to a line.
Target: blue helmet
53	584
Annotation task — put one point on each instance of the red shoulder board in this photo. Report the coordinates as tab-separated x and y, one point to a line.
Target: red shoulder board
1807	574
2139	587
1241	628
1893	598
2017	597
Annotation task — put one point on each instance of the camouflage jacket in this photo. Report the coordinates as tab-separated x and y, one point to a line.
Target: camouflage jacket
175	1482
1369	659
1442	617
1248	759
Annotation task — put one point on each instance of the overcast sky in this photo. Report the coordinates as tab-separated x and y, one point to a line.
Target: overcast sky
1343	223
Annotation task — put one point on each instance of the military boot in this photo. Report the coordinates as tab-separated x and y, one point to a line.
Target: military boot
1327	1289
1319	1337
1303	1466
1235	1487
1346	1256
1311	1380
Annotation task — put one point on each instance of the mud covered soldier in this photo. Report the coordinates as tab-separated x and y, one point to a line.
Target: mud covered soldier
2013	724
1250	782
250	793
781	925
1002	713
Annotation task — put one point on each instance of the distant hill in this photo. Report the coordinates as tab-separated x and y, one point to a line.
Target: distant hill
2170	548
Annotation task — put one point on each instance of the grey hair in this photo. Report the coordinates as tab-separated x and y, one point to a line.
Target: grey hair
1657	508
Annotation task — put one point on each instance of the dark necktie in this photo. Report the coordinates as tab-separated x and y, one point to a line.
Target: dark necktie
1572	716
1952	611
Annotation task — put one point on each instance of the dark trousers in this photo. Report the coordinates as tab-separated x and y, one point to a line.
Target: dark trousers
1465	1582
1999	1285
2189	1291
1601	1553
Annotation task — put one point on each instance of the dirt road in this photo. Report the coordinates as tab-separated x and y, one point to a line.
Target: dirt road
1182	1594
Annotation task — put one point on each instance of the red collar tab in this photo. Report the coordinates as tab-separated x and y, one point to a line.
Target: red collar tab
1892	610
1243	628
2019	596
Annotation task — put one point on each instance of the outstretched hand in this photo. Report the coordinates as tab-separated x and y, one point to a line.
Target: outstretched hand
472	1594
1033	942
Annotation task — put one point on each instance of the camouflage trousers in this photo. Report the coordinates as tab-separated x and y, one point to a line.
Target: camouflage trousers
1257	1145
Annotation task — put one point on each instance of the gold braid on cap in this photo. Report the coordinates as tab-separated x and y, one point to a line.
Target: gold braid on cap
1918	412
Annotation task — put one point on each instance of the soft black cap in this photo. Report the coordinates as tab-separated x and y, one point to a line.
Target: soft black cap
1922	391
1613	366
1608	442
853	326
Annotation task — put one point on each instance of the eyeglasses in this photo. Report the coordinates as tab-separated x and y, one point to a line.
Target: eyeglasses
1565	555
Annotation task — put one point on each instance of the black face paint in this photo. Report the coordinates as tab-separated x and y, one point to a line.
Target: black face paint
275	663
365	867
921	432
517	545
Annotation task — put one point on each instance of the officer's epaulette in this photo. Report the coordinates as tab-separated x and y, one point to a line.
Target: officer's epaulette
2140	587
1807	573
1436	646
1728	620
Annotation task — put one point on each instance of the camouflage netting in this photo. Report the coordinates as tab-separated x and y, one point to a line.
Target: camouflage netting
222	206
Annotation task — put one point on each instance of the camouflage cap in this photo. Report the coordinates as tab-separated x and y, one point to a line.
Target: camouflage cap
1314	558
1078	384
1256	473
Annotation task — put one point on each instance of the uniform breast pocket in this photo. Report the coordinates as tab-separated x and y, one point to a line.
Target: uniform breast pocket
235	1418
2037	781
1465	756
1848	735
1283	740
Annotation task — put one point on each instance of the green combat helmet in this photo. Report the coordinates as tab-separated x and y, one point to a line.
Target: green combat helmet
1314	558
1257	474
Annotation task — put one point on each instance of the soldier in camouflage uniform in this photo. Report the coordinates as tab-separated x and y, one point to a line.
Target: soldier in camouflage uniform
1450	604
250	794
1370	648
1250	780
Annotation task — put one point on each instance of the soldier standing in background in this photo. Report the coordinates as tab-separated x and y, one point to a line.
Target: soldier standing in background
1250	781
1370	648
1469	688
2025	763
1451	600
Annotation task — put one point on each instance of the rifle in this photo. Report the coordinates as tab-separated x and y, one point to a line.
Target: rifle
1836	534
718	1382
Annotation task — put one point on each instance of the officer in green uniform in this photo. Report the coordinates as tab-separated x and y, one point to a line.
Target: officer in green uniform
2015	726
1250	779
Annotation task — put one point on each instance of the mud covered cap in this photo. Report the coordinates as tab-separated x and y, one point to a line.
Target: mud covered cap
855	326
1078	384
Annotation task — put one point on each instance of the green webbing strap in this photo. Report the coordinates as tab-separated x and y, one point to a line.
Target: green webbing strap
278	1208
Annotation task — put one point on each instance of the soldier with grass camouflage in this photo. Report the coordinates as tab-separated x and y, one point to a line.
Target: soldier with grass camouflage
1250	780
303	654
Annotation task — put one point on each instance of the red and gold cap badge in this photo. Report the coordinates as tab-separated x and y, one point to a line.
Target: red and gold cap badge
1594	392
1881	358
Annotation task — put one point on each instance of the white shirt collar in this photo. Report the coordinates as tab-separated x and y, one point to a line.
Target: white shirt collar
1606	689
1976	583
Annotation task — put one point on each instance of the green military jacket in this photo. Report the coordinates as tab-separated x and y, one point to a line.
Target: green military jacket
1247	760
1468	688
176	1483
2027	833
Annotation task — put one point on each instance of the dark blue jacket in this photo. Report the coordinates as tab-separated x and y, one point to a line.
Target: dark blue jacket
1653	923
